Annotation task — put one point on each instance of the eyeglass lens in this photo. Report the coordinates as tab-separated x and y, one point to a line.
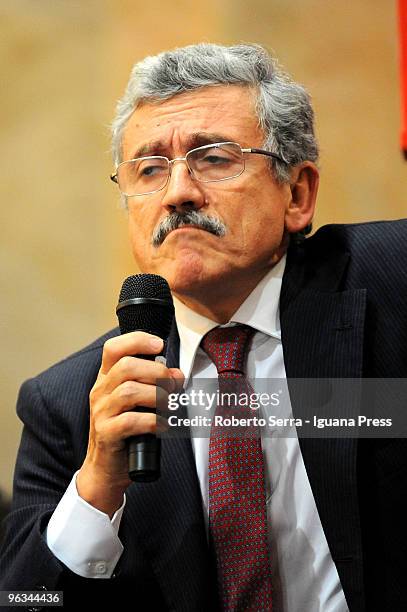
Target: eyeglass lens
206	164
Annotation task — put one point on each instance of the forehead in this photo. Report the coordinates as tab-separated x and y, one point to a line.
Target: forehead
227	111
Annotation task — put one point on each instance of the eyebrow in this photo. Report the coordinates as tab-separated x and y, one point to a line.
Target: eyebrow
196	139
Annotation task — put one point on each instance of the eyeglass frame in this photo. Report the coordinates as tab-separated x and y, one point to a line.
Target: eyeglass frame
113	176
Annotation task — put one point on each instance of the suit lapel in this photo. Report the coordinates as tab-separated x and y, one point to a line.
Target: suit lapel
172	352
172	532
322	335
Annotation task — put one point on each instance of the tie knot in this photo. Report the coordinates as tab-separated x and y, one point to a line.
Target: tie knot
227	347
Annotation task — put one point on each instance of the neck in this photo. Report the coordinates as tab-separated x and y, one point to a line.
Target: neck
219	302
220	310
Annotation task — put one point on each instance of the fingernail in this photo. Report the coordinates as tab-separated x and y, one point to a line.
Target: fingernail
156	343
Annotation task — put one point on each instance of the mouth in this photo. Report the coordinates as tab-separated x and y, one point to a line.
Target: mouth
185	228
190	220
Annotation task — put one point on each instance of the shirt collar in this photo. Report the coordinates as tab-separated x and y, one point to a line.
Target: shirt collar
260	310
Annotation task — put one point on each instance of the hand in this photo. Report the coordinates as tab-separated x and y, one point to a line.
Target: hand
123	383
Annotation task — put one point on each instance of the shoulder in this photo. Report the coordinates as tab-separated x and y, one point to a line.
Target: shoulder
379	236
377	252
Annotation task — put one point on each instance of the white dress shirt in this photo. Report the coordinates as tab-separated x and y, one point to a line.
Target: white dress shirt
305	578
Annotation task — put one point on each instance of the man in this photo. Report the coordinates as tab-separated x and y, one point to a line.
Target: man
216	160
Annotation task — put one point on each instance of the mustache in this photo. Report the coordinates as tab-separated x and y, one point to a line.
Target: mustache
190	217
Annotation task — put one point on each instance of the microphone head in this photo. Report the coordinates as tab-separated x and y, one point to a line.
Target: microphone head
145	285
145	304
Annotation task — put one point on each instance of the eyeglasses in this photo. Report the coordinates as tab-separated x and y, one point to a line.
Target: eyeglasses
220	161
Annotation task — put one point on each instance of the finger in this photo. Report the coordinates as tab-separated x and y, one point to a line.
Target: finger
130	424
133	343
127	396
178	378
140	370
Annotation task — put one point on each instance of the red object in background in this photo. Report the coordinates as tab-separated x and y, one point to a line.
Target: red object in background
403	72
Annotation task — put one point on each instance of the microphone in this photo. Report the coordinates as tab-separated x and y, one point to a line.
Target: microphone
145	304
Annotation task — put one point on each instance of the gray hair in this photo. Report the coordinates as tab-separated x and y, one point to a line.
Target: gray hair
283	107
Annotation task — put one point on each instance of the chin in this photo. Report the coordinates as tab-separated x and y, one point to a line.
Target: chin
186	274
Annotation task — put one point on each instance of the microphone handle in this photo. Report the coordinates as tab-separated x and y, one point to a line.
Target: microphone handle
144	456
144	450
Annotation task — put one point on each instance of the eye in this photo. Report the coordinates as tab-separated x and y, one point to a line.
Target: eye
213	160
150	168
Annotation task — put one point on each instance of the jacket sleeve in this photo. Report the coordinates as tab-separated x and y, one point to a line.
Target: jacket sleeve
42	474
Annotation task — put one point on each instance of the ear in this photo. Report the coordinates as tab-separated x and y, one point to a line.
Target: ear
304	188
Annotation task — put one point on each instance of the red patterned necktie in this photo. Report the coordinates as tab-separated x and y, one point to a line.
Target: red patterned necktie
237	501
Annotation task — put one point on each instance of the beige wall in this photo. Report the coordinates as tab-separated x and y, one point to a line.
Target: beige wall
63	65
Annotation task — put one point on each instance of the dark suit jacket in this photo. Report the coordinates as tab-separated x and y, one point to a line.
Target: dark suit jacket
343	313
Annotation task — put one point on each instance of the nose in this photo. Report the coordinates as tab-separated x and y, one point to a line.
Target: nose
182	191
